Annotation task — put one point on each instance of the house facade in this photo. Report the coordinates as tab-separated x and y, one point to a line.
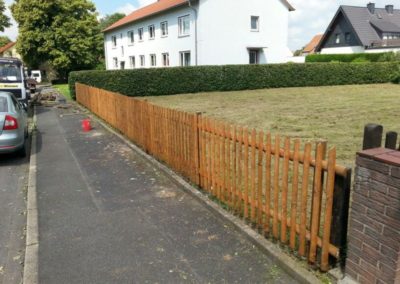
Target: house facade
9	50
199	32
362	29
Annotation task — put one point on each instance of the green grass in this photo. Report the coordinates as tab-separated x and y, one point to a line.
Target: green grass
337	114
64	89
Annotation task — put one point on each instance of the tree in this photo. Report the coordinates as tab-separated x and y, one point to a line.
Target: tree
4	40
64	34
4	20
108	20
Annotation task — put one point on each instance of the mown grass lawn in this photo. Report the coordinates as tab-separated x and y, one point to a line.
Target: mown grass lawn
64	89
337	114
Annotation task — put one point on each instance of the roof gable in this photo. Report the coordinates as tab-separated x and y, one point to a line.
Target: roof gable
7	47
312	45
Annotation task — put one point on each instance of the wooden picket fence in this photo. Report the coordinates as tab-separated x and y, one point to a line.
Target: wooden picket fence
288	192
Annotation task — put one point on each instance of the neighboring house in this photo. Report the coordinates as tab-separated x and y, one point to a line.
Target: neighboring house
200	32
310	48
362	29
9	50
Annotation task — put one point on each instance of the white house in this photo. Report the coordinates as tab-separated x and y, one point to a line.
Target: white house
200	32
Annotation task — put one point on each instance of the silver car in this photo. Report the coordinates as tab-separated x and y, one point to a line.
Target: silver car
13	125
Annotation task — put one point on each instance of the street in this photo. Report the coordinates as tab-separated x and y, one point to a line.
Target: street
13	180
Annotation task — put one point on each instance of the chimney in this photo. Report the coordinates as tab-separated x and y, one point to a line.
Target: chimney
371	8
389	9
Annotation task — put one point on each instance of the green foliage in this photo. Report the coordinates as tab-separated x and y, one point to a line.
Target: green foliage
108	20
4	20
66	34
180	80
4	40
355	57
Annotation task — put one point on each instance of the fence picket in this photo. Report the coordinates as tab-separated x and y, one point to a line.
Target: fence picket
276	187
295	186
268	156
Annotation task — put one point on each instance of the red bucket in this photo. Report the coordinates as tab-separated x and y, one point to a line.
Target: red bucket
86	127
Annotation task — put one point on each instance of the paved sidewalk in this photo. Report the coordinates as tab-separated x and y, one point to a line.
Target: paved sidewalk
106	215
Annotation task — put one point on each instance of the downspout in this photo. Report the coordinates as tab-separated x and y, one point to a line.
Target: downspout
195	31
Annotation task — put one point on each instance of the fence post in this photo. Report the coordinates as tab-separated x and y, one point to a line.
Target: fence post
372	136
340	214
197	149
391	140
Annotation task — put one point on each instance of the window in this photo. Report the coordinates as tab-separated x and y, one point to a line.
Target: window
255	20
253	57
185	58
122	64
391	36
131	37
184	25
141	34
122	51
142	61
114	41
165	59
115	62
347	37
3	104
153	60
164	29
152	32
337	38
132	62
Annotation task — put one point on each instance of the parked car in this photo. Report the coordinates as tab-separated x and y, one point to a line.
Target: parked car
13	125
37	75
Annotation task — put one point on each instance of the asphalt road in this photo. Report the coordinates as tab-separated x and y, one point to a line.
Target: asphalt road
13	181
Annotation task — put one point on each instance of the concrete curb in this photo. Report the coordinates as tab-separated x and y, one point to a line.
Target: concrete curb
31	267
287	263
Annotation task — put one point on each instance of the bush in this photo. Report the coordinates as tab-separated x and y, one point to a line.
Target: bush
179	80
355	57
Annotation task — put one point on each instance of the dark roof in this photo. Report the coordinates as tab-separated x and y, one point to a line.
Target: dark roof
366	25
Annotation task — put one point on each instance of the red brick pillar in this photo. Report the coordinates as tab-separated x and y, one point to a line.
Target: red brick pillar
374	232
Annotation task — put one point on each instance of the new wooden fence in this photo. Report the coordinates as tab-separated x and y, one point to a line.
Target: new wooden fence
287	190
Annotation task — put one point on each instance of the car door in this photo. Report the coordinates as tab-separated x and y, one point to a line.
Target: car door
20	115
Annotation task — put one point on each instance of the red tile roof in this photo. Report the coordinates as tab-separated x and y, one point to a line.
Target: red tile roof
7	47
312	45
158	7
152	9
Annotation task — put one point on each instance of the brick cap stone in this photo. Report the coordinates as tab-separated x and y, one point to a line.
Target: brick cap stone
384	155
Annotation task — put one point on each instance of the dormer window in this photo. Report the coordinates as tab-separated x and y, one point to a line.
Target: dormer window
390	36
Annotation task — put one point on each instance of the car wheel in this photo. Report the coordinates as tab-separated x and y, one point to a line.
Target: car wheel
22	152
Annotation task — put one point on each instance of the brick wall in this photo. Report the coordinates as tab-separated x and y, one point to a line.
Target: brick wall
374	234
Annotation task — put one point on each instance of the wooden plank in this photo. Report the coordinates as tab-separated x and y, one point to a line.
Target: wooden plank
268	183
295	188
235	191
229	170
223	163
240	171
285	186
260	180
304	198
316	205
275	225
330	185
253	175
246	172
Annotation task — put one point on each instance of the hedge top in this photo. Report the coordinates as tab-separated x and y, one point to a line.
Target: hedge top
179	80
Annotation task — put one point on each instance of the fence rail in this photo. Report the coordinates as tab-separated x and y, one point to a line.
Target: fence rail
287	190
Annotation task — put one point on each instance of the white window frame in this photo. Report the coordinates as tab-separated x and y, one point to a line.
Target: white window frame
182	58
142	61
141	34
165	59
182	32
164	29
257	19
337	38
114	41
131	37
132	62
153	60
115	62
152	32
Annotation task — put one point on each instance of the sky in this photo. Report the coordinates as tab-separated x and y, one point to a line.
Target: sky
310	18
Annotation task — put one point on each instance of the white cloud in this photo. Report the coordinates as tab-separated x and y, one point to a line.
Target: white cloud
129	7
11	32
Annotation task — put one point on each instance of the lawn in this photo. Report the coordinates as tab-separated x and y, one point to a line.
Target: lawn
64	89
336	114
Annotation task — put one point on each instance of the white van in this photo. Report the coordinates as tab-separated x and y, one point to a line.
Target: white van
12	78
37	75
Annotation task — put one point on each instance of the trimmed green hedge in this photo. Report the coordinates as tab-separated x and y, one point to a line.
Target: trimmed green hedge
355	57
180	80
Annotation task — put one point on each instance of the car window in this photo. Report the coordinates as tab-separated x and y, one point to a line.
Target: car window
3	104
15	103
